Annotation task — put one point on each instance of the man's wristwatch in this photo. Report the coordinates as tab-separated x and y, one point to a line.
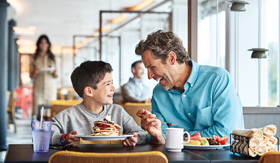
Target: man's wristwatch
63	139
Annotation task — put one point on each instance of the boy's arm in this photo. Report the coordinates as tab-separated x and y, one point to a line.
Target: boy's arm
57	133
130	126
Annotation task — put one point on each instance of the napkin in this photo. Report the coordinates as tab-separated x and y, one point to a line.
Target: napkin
250	133
272	140
271	148
261	149
252	152
265	140
253	142
269	130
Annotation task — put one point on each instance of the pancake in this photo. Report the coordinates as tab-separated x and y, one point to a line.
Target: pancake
106	128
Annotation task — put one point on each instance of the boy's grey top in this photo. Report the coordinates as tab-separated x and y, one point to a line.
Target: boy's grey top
78	118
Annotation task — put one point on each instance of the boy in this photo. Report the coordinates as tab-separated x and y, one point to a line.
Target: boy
93	82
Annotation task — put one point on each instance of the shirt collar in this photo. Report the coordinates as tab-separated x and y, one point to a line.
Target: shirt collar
192	78
137	81
194	74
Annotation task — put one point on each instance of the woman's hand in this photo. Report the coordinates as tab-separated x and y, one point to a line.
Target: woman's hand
35	72
55	74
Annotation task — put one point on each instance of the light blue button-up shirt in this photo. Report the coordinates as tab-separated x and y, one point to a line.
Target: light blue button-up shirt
209	104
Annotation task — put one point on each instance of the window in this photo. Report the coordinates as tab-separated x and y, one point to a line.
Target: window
257	80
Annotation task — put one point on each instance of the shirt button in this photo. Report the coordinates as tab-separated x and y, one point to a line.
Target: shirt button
191	85
189	114
184	95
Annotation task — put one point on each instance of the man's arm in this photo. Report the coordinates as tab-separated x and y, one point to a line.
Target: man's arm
226	110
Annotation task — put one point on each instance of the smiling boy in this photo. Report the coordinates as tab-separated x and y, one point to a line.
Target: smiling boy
93	82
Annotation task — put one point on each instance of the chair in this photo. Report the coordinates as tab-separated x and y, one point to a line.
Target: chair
132	109
270	157
137	157
11	110
59	105
121	102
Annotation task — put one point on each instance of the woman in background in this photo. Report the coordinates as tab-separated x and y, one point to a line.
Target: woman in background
43	73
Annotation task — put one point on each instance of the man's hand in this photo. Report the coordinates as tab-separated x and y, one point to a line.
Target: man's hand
71	139
131	141
150	123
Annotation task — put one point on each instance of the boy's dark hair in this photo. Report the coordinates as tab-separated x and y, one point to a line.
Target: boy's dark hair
135	63
161	43
88	74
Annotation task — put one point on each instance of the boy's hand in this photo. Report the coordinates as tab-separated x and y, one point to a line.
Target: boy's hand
131	141
71	139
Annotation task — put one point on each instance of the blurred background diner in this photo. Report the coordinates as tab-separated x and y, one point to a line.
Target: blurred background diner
43	72
244	41
135	90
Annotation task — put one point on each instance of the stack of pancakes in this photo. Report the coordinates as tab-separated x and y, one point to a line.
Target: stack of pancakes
105	128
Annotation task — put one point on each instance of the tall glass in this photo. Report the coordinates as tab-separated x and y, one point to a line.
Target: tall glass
41	135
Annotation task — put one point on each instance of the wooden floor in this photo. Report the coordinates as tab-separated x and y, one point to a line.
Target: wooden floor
23	135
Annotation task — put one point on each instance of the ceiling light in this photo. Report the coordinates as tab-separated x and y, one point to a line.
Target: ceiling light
105	28
238	5
84	41
32	28
26	49
24	42
24	31
56	49
95	35
118	19
258	53
78	46
68	51
140	6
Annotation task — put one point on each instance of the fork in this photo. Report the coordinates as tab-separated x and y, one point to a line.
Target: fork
168	124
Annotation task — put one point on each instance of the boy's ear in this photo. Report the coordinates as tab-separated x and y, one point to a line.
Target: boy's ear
88	91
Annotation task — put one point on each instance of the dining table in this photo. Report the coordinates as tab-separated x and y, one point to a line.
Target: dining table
22	153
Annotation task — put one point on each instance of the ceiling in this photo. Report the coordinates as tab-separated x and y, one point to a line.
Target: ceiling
61	19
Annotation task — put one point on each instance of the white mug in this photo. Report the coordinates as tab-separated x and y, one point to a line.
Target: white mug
174	141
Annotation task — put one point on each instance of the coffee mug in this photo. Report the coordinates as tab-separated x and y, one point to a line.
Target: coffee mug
174	141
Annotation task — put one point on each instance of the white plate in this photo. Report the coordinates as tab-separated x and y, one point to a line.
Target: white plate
205	147
101	138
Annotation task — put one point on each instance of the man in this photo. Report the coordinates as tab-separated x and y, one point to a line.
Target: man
198	98
135	90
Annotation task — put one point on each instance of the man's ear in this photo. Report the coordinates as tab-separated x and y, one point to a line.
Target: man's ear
88	91
171	58
133	70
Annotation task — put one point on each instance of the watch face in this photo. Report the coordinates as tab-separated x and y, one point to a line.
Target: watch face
62	140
